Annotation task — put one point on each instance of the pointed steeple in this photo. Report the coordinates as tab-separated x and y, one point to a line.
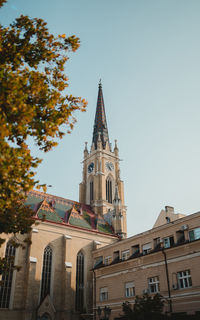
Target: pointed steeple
100	124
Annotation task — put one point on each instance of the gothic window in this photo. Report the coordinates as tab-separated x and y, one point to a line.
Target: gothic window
109	190
46	272
6	281
91	190
79	281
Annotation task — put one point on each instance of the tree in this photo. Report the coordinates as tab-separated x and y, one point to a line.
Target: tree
145	307
33	105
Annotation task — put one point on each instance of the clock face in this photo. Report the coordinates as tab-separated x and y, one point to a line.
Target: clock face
91	167
109	166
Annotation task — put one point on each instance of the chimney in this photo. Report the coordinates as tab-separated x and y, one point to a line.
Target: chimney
169	209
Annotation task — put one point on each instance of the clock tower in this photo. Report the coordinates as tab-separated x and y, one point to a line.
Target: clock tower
102	187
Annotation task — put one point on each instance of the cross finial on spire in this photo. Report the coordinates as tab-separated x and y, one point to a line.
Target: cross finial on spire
100	84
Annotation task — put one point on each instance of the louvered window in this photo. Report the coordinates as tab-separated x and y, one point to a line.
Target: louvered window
109	190
91	191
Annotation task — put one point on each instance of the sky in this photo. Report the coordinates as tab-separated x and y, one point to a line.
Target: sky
147	53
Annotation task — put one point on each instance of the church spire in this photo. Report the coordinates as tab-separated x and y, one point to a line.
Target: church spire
100	124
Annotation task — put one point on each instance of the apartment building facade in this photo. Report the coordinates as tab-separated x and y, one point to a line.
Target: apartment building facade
165	260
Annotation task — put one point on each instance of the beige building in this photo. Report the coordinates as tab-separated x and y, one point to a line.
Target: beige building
55	279
78	257
165	260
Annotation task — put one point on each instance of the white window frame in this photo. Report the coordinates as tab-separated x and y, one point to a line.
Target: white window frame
107	260
103	294
154	284
196	234
129	289
167	243
146	248
125	254
184	279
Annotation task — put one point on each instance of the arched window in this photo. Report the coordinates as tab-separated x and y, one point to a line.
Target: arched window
46	272
91	190
79	281
109	190
7	275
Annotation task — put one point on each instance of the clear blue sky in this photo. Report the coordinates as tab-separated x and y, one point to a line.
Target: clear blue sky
147	53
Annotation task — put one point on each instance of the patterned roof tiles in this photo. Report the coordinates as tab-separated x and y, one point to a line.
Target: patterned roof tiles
67	212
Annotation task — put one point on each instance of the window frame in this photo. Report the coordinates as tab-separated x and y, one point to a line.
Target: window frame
148	247
80	281
129	289
6	289
103	294
46	267
91	190
195	237
170	242
109	190
107	260
154	282
184	280
125	254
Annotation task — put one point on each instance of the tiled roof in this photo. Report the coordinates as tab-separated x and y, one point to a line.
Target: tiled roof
67	212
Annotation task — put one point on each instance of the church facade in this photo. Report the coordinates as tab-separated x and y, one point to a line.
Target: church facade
55	279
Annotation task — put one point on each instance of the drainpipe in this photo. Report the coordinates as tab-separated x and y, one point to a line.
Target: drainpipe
94	294
168	284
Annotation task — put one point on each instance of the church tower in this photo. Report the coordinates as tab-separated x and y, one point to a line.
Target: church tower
102	187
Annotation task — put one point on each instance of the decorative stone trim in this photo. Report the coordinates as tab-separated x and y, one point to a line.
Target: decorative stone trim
68	264
33	259
67	237
97	242
35	230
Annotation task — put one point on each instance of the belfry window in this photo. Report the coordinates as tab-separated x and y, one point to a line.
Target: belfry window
7	276
46	272
79	281
109	190
91	191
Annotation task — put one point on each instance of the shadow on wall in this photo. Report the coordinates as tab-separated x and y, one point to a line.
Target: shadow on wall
59	304
48	272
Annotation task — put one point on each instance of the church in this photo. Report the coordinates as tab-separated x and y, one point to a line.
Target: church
55	280
79	262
